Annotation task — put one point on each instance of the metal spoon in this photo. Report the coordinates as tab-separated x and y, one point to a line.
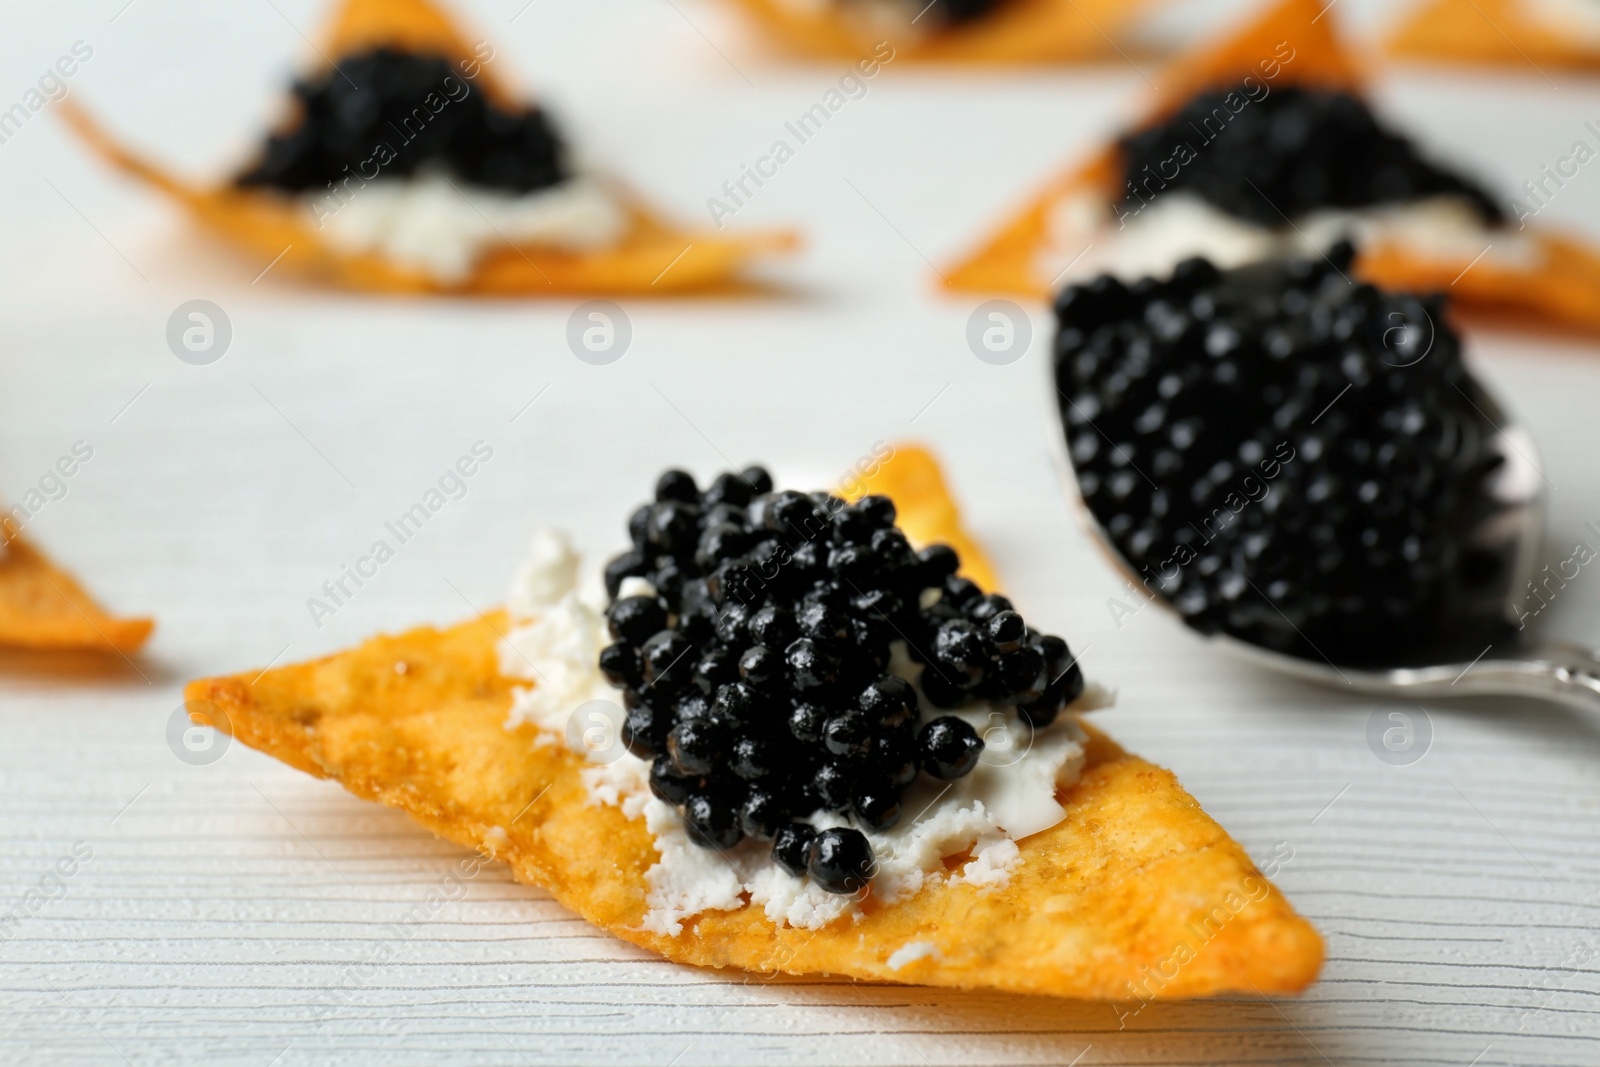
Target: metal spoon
1489	652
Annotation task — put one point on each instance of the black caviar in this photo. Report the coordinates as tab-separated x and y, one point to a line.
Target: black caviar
756	668
387	113
1287	153
1281	453
944	12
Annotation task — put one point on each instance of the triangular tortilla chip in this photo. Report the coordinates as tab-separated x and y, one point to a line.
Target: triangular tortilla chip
406	26
1136	895
43	607
654	258
1022	31
1559	286
1490	33
1008	262
926	511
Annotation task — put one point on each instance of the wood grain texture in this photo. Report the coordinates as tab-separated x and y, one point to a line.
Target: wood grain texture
241	913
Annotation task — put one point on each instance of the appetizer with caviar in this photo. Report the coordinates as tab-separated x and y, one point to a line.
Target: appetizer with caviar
43	608
405	163
791	732
1263	146
1523	35
948	31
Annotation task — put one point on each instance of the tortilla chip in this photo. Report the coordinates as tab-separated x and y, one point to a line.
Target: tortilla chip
1136	895
1024	31
654	258
925	510
406	26
1489	33
43	607
1561	286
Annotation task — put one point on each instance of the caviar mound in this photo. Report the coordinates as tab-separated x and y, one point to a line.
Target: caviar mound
754	635
43	608
961	12
649	256
1283	455
950	31
946	13
420	102
1284	155
1097	903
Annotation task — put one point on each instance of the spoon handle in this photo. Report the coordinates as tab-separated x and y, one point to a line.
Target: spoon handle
1548	670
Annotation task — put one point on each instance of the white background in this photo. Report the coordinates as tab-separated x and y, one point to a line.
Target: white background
225	904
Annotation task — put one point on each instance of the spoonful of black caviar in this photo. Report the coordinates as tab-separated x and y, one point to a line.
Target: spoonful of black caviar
1305	465
753	648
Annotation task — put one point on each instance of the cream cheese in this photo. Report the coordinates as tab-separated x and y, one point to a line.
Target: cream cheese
556	641
441	226
1012	794
545	576
911	952
1175	226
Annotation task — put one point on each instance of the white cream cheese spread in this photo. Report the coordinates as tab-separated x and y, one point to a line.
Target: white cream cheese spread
1153	239
911	952
960	832
556	641
442	226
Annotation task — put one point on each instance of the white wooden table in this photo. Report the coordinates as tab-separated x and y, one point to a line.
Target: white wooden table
237	912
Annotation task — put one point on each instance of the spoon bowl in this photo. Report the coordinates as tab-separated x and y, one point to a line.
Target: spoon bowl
1483	646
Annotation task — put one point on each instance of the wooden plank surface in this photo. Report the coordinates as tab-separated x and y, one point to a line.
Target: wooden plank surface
236	912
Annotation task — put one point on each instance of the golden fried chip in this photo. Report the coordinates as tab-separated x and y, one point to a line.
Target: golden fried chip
1558	283
1022	31
653	257
1136	895
1490	33
417	26
925	510
43	607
